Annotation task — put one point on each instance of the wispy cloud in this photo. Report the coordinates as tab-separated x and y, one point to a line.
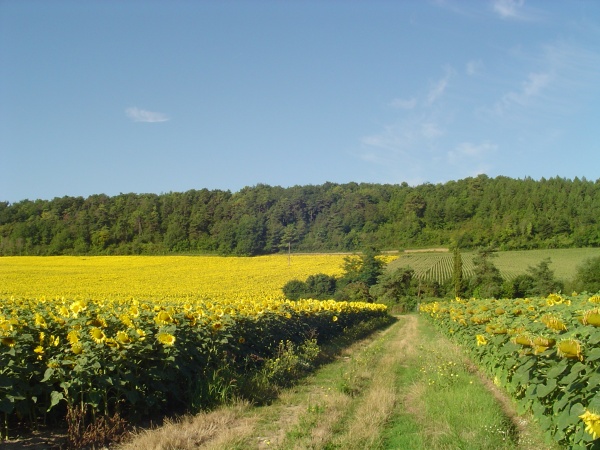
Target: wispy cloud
473	67
404	103
508	9
470	150
141	115
410	143
533	87
563	77
437	89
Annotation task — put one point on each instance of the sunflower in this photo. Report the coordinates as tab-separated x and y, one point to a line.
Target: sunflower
163	318
165	338
9	341
77	307
39	350
39	321
481	340
111	343
97	335
73	337
592	423
77	348
123	337
99	322
570	348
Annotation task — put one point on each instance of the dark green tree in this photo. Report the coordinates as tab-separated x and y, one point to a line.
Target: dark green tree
295	289
321	286
396	287
587	276
544	282
520	286
365	269
457	273
487	281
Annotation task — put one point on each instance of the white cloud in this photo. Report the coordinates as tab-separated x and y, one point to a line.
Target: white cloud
141	115
437	90
508	9
474	67
439	87
430	130
531	87
563	76
466	150
404	103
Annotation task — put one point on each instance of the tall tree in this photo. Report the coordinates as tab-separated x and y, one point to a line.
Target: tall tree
487	281
457	274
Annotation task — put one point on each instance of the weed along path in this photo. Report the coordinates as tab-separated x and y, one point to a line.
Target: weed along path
405	387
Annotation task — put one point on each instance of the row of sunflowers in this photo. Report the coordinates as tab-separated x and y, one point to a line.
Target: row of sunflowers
544	351
154	348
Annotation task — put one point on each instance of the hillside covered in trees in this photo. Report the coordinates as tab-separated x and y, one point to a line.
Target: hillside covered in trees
501	212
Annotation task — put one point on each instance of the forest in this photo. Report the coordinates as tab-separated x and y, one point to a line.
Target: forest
501	212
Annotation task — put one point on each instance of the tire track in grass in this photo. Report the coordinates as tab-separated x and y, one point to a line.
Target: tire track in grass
380	393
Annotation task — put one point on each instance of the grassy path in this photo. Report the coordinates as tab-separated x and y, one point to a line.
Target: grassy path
405	387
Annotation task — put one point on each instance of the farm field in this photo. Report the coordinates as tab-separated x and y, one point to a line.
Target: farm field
404	387
148	335
438	265
543	351
158	277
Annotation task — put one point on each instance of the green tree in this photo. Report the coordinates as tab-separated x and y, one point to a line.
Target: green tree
457	273
396	287
295	289
365	269
487	281
587	276
520	286
544	282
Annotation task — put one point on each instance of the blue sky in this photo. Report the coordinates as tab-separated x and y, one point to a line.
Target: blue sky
159	96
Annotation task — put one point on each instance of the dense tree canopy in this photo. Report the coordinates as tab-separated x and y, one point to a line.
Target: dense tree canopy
475	212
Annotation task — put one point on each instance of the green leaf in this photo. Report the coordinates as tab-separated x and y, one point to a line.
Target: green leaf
545	389
557	369
6	406
48	374
576	410
574	374
593	354
55	398
594	404
594	337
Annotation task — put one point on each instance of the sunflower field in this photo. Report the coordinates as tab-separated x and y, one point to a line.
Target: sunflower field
545	352
147	335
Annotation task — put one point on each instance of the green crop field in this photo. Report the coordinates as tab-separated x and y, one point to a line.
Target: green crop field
437	265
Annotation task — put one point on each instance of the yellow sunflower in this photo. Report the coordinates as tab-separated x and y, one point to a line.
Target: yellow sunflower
97	335
165	338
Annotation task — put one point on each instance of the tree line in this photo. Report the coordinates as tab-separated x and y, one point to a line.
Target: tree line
475	212
366	279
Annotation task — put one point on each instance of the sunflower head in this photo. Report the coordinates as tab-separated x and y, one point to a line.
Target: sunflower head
165	339
123	338
163	318
592	423
8	341
97	335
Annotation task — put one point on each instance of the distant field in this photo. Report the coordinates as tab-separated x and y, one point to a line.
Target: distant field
436	265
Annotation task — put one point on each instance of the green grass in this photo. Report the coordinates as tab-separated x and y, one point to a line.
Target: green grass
447	405
404	387
438	266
